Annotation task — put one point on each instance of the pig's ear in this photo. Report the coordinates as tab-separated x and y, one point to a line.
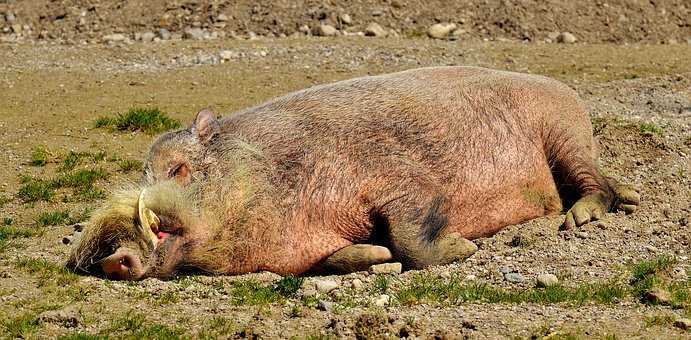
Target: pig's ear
205	126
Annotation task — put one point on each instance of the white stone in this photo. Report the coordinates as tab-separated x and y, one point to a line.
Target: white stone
566	38
546	280
382	300
441	30
386	268
325	286
375	30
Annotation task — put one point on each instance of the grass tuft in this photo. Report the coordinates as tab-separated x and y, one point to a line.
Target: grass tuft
649	129
658	320
82	182
428	288
53	218
72	159
289	285
128	165
22	326
148	120
217	327
9	233
251	292
47	271
39	156
36	190
135	326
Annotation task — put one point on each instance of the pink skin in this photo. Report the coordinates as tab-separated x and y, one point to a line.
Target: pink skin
125	264
405	158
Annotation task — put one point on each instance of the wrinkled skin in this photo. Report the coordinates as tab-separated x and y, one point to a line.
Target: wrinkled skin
418	162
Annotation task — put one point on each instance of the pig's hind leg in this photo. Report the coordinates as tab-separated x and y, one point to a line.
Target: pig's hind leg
353	258
569	150
419	233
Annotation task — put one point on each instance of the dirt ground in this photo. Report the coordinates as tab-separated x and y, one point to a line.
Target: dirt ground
639	96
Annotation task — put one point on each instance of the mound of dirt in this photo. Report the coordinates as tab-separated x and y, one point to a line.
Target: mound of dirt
615	21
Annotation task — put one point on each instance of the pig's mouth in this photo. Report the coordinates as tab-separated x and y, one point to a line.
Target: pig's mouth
162	236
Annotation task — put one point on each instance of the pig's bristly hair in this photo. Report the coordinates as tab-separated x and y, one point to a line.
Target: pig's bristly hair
239	204
213	214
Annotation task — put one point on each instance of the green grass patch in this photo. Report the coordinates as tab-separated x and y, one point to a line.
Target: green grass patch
166	297
148	120
62	217
251	292
9	233
659	320
36	190
73	159
22	326
128	165
47	271
82	336
217	327
52	218
649	129
135	326
39	156
381	284
6	221
81	181
289	285
425	288
4	200
649	274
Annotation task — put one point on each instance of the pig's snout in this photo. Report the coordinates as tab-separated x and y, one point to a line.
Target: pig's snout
123	265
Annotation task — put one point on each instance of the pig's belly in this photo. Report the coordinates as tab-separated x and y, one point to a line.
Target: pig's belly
483	211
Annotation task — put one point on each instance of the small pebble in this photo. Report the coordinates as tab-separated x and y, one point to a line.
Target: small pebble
658	296
581	234
357	284
683	323
566	38
324	30
546	280
382	300
326	306
514	277
441	30
67	240
375	30
601	225
325	286
386	268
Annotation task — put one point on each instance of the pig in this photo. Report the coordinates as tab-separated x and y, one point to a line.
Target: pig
409	166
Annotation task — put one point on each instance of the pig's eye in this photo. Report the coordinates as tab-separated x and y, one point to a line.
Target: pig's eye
179	172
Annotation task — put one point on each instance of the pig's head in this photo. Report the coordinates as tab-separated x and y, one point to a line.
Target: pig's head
181	155
165	228
140	233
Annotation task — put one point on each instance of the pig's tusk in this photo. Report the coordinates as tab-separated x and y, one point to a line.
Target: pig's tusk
148	221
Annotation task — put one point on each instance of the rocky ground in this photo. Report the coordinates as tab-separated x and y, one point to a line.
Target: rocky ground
616	21
54	88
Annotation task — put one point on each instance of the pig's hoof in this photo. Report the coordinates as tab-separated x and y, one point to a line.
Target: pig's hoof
586	209
627	198
353	258
451	248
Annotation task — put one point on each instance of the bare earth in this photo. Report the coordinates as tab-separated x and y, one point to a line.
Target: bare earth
52	94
